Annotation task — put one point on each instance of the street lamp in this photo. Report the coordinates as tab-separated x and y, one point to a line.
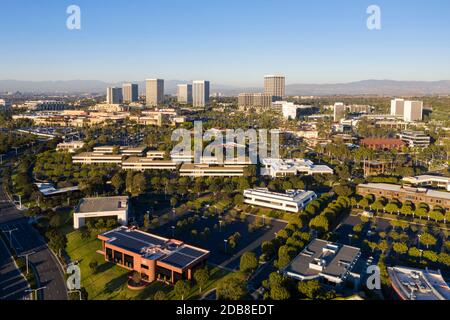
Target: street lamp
35	291
10	231
264	219
173	231
26	255
225	242
220	225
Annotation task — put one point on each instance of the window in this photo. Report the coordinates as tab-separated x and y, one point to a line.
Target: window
143	266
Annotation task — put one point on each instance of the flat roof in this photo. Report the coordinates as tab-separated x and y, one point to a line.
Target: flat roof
398	188
103	204
153	247
416	284
205	167
335	260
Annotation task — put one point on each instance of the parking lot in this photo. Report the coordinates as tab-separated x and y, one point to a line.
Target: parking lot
221	253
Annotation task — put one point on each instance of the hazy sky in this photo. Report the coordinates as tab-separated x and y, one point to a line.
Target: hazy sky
225	41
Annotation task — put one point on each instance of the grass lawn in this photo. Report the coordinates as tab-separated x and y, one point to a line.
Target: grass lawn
109	281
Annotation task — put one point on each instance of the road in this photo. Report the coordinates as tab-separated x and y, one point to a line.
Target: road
13	285
27	239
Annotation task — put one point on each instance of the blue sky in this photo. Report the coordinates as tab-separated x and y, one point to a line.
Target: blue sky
226	41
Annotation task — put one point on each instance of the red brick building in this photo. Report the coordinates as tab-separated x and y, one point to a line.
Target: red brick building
154	257
383	144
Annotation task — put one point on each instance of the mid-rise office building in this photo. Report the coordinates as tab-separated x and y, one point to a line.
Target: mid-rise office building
114	95
154	91
184	93
415	139
200	93
292	111
255	100
275	86
291	201
130	92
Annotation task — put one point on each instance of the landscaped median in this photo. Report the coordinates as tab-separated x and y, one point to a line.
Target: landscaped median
105	281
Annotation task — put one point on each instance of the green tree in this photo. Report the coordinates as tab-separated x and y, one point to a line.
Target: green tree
400	248
201	276
117	182
160	295
181	289
232	288
310	289
248	262
428	240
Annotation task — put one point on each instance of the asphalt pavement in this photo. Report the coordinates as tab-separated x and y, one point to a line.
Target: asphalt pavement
26	239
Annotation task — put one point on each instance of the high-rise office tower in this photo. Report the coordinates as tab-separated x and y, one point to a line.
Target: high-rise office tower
184	93
397	107
130	92
413	111
200	93
339	111
410	110
275	86
154	92
114	95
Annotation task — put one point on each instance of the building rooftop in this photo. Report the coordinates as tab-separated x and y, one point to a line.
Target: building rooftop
320	258
153	247
104	204
398	188
415	284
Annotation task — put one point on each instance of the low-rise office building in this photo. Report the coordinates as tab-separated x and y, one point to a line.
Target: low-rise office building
99	208
71	147
182	157
142	164
97	158
415	139
291	201
206	170
415	284
154	257
404	193
330	263
428	181
156	155
291	167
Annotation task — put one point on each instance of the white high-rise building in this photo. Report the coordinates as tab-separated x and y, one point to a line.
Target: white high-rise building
200	93
130	92
154	92
413	111
114	95
339	111
410	110
397	107
184	93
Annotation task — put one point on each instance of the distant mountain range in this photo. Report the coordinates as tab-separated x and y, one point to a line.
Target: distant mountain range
366	87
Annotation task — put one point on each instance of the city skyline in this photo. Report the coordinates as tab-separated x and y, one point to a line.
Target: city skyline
410	39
